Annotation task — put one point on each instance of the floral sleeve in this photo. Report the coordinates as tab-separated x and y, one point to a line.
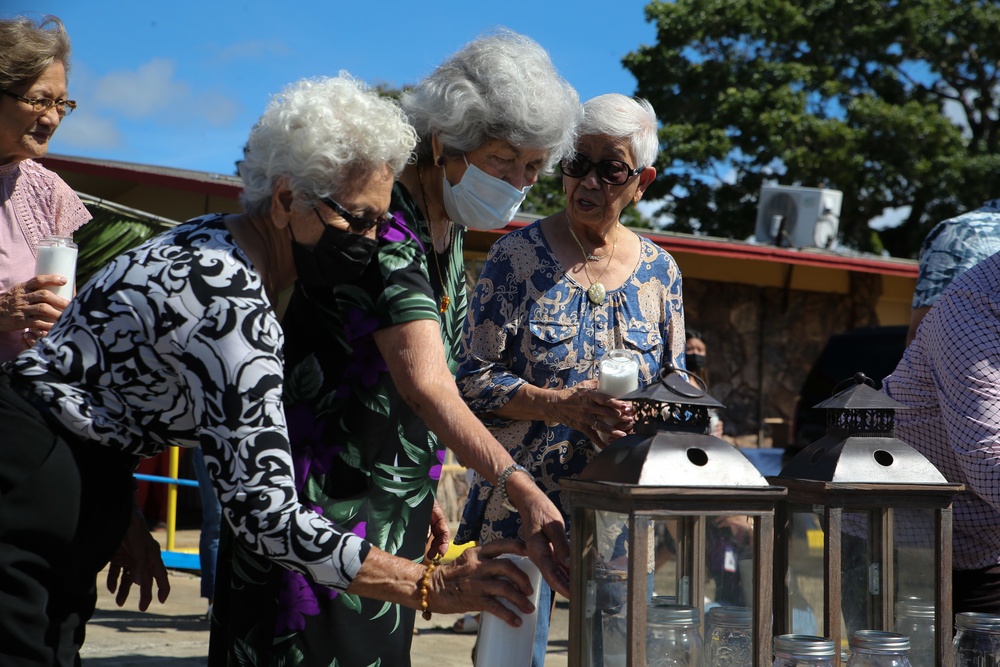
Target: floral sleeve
484	377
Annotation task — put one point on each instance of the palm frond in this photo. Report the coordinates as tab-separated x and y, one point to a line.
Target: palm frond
114	229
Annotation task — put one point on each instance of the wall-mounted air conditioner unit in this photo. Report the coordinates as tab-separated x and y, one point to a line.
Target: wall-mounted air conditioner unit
798	217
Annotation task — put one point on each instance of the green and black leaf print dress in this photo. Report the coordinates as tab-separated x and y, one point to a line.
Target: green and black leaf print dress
362	459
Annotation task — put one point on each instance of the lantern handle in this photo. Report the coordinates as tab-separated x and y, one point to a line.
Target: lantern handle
858	379
680	386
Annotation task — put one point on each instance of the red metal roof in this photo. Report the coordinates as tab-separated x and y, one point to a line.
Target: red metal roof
230	186
705	245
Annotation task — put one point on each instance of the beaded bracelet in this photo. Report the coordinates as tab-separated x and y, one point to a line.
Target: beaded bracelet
425	586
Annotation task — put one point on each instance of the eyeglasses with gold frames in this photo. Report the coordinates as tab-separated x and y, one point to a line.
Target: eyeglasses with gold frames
43	104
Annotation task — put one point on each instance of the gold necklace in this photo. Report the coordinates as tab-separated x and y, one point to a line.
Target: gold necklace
596	292
445	299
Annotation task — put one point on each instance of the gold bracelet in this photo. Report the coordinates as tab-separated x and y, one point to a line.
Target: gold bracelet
425	587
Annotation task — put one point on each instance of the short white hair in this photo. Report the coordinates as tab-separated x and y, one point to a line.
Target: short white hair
321	134
616	115
498	86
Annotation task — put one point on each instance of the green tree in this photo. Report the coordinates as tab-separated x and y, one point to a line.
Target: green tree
893	102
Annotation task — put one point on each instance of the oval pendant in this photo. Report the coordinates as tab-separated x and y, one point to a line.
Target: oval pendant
596	293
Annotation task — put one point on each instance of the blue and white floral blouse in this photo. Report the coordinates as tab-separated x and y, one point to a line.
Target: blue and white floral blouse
530	322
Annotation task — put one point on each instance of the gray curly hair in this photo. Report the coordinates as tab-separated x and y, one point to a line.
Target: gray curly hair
29	47
616	115
499	86
319	134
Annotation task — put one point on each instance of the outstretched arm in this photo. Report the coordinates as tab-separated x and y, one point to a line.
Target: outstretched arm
415	356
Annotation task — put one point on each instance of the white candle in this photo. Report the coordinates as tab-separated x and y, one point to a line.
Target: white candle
500	645
57	254
619	373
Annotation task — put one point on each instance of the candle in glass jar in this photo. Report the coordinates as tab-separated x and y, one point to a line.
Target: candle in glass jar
619	373
57	254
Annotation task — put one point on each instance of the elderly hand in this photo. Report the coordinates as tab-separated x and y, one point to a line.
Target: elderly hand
439	532
598	416
478	580
138	561
29	305
543	531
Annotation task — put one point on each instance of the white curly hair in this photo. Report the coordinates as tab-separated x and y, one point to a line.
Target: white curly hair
498	86
616	115
322	134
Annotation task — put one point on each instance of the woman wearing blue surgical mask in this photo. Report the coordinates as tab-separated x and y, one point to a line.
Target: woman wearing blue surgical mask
369	382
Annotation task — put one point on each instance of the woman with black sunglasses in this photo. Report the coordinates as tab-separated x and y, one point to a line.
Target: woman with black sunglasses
177	342
370	384
552	300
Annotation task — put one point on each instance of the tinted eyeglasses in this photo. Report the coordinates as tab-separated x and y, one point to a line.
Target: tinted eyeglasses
43	104
358	224
612	172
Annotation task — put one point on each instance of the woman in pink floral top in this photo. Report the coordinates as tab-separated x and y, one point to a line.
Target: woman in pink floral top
34	202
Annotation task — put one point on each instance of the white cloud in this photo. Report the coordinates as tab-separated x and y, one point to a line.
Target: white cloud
891	217
85	131
153	92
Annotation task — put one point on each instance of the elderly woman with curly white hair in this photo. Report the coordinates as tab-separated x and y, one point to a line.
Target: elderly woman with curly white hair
372	396
177	342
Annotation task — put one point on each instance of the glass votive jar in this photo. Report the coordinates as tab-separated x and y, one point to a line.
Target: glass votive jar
977	640
57	255
803	651
729	637
915	619
618	373
672	637
875	648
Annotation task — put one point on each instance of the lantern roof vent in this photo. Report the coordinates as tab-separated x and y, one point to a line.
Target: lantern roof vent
860	446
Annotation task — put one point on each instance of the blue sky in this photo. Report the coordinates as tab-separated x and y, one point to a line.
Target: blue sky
179	83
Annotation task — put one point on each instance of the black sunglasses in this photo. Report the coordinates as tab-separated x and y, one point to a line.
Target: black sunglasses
358	224
612	172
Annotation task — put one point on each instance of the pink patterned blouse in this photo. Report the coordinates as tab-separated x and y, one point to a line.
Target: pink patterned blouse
34	202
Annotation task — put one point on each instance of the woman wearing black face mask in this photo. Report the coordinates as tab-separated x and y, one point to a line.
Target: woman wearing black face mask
694	353
178	343
372	399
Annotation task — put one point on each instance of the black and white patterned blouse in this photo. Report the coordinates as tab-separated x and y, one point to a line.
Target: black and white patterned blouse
175	342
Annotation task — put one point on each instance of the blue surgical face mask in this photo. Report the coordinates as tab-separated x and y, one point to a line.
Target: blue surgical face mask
481	201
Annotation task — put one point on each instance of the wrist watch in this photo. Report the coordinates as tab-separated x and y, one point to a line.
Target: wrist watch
502	484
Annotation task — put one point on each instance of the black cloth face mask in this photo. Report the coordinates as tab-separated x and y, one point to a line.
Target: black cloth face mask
339	257
694	362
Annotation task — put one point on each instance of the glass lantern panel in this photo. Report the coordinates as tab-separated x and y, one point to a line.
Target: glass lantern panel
729	561
805	577
859	575
607	590
915	557
673	547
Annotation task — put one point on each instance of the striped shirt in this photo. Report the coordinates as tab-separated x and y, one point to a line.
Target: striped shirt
949	377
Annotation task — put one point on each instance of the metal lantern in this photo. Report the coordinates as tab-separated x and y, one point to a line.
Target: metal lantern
666	523
863	538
